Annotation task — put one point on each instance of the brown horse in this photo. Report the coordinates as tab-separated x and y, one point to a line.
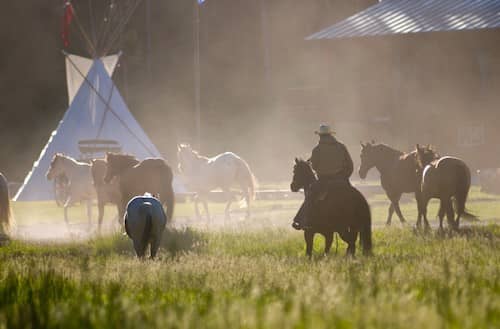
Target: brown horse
151	175
398	174
445	178
345	212
106	193
5	214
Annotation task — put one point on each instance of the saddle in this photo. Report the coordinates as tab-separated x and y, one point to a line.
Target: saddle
334	186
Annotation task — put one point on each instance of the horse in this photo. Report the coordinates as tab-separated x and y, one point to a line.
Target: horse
106	193
145	222
136	177
5	211
222	171
348	215
398	174
445	178
80	187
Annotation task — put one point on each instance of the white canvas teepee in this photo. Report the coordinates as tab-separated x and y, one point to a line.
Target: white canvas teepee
96	110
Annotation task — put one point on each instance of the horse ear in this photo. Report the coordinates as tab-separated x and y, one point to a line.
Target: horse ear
362	145
296	161
373	142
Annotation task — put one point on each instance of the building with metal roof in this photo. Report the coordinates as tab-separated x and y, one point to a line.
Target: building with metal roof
415	16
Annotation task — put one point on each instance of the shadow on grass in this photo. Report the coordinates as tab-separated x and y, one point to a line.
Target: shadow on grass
488	232
174	241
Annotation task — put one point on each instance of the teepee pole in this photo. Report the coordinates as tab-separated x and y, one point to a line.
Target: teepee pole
110	109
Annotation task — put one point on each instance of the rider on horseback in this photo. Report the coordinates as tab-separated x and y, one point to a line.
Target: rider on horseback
333	165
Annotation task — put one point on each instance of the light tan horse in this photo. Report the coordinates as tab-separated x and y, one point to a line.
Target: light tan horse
223	171
5	213
80	186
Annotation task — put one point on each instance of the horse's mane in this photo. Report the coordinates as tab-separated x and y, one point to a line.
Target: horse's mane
120	160
66	157
120	157
389	149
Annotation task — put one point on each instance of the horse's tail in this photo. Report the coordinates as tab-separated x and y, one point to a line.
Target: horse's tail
366	226
247	179
168	197
5	214
464	179
170	201
146	213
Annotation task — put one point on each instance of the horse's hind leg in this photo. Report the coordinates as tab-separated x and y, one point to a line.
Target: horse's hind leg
395	203
196	207
100	214
89	212
309	237
443	206
227	211
450	216
389	216
328	242
350	239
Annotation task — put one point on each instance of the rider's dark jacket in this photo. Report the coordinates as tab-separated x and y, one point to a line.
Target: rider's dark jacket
330	159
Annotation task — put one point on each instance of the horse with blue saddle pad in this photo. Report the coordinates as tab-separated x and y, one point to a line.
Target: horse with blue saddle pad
145	222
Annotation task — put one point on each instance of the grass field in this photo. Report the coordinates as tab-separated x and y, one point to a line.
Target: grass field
253	274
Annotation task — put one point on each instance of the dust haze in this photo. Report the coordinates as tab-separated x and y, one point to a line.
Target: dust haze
264	89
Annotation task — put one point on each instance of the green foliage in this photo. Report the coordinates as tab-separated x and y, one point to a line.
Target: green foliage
253	274
257	279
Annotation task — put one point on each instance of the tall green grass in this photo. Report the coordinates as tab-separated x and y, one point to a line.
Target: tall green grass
256	279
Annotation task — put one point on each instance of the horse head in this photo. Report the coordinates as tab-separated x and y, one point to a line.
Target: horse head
368	158
98	171
303	175
55	167
425	155
116	163
185	157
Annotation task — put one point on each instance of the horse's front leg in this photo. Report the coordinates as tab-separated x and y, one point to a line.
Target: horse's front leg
424	201
418	198
66	206
309	238
328	242
100	213
205	205
120	214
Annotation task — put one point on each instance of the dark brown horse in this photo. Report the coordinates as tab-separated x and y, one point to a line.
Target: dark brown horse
5	214
445	178
398	174
106	193
347	213
151	175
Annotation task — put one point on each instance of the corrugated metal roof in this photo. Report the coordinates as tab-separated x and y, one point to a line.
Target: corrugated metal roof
414	16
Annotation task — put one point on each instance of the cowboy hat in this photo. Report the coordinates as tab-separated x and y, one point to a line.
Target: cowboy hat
324	129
